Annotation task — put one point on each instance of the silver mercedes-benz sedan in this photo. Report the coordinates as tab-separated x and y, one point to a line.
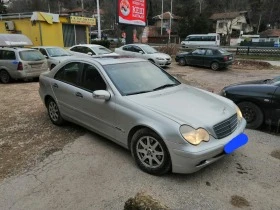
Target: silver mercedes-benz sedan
165	124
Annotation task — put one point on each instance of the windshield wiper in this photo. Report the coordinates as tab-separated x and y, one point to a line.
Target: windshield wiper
135	93
164	86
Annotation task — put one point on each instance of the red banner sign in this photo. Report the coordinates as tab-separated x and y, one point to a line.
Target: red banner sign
132	12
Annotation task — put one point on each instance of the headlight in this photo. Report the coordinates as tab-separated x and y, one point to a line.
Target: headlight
223	93
161	59
239	114
193	136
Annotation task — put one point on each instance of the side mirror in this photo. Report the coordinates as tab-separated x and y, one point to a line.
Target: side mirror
142	52
89	53
101	94
46	56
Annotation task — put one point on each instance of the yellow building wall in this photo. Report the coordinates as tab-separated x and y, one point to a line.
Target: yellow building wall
50	35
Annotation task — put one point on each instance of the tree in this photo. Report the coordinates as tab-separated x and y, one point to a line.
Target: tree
3	7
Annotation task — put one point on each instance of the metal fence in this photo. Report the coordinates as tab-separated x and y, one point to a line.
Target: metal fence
258	51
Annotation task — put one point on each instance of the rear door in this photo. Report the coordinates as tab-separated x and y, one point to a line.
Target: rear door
8	61
209	57
66	88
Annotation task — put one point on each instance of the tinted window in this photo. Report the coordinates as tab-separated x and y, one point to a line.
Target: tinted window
31	55
91	79
76	49
137	49
43	51
7	55
128	48
209	52
70	73
87	50
199	52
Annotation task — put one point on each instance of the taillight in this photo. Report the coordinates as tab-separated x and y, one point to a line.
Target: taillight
226	58
20	66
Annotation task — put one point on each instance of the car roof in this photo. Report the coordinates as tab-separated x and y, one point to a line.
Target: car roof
139	45
107	60
46	47
213	48
88	45
15	48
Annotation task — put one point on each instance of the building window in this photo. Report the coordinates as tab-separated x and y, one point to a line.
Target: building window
221	25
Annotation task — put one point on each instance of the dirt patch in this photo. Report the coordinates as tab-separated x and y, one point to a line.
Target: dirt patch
239	201
26	133
276	154
253	64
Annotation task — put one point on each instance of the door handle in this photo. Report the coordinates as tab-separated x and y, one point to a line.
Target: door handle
79	95
55	85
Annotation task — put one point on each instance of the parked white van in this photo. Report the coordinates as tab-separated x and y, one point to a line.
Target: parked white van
201	40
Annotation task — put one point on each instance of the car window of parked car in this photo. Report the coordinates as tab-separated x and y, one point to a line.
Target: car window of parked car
76	49
7	55
209	52
137	49
87	50
31	55
128	48
70	73
199	52
138	77
91	79
43	51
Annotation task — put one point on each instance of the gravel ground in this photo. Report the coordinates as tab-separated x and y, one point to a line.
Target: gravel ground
28	138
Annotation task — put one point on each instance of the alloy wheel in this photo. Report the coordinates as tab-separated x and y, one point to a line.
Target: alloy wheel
150	152
53	110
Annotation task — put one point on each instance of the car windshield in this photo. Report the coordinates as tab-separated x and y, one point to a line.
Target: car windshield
31	55
139	77
148	49
275	80
101	50
57	52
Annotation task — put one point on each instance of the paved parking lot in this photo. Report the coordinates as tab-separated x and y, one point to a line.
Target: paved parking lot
90	172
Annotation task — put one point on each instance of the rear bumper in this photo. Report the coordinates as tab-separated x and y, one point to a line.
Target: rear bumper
186	161
28	75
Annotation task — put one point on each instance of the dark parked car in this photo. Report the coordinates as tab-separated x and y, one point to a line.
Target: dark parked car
259	101
215	58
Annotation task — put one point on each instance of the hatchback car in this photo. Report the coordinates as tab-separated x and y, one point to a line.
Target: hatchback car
146	52
91	50
259	101
21	63
165	124
54	55
215	58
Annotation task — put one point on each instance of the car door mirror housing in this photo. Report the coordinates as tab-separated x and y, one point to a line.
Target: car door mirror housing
101	94
46	56
141	52
89	53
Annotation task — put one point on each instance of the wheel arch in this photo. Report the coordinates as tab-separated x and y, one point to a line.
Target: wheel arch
47	97
137	128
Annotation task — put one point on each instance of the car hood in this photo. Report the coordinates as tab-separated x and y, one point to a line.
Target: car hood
254	82
161	55
61	58
187	105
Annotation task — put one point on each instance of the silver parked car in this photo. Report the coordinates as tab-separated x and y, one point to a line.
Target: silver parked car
146	52
165	124
21	63
91	50
54	55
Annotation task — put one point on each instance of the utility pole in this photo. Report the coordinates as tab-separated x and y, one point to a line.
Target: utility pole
161	23
98	19
49	6
170	23
82	2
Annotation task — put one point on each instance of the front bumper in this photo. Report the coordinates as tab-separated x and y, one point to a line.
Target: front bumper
187	160
163	62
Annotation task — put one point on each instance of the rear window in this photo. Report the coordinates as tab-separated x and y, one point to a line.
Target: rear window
31	55
222	51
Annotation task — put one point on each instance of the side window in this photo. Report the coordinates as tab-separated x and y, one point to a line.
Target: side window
76	49
137	49
209	52
43	51
128	48
70	73
199	52
86	50
8	55
91	79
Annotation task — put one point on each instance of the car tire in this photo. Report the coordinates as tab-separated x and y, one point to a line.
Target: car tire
52	66
54	113
252	114
150	152
5	77
215	66
182	62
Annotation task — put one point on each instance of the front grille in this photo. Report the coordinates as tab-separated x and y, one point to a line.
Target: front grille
226	127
